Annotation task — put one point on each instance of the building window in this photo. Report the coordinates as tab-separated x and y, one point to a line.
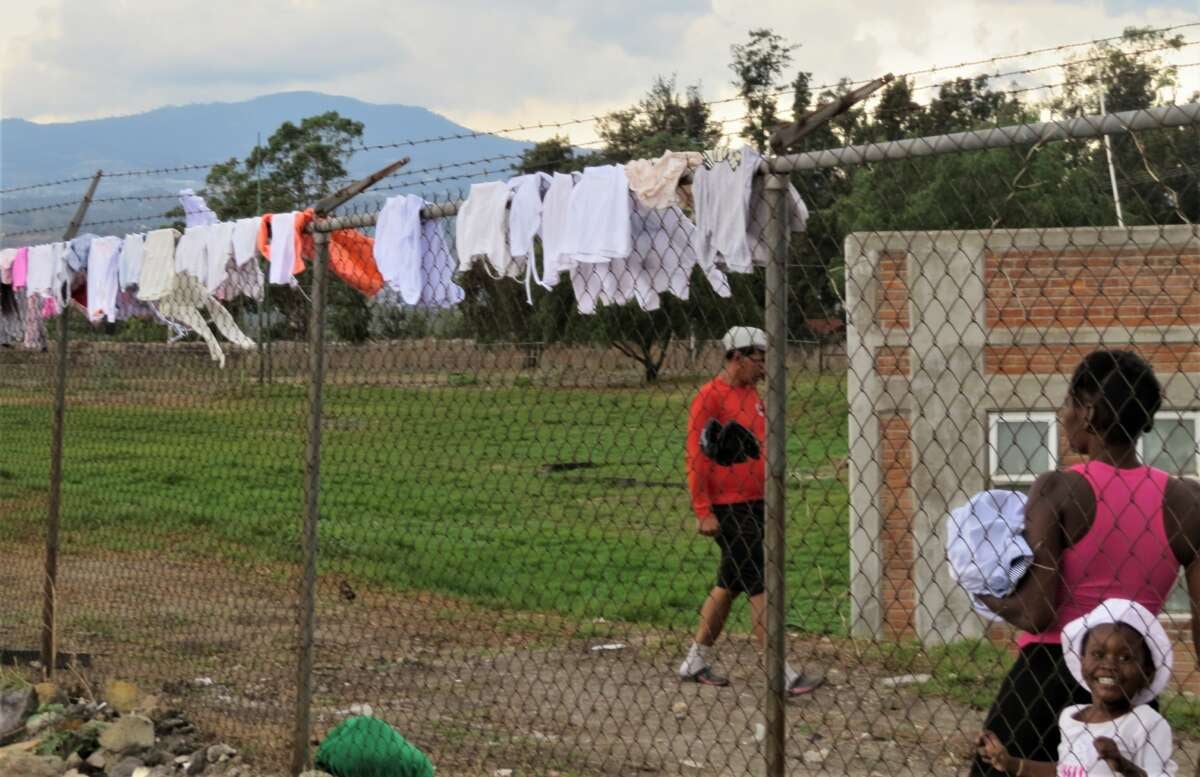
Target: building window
1021	446
1172	444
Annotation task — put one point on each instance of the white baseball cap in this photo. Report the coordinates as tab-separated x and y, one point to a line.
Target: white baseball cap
744	337
1131	614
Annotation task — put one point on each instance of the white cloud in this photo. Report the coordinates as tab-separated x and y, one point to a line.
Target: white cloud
498	64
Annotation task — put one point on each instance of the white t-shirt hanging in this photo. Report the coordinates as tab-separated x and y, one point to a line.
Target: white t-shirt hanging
103	279
598	219
438	289
398	246
480	230
218	249
158	265
664	241
283	248
245	239
525	212
191	255
129	270
556	207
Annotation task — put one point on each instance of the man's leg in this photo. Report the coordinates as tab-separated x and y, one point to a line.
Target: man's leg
713	615
797	683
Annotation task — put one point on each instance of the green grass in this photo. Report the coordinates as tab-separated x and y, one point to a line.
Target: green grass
441	488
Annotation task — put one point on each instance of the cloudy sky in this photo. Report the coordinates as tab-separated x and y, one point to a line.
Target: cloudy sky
490	64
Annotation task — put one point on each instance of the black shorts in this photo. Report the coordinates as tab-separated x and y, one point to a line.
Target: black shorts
741	541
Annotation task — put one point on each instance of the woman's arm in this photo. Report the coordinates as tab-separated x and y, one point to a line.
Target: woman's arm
1032	606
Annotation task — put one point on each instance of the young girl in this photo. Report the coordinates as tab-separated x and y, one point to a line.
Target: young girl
1123	656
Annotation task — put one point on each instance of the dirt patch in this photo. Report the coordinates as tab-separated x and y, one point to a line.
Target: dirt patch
479	690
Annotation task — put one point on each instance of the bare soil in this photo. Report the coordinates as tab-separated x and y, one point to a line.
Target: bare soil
477	690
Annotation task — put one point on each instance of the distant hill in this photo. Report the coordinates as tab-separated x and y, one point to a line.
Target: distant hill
209	132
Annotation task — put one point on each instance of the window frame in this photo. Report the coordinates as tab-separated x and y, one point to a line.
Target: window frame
1176	415
995	418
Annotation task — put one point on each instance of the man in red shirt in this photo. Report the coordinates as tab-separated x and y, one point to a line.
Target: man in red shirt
728	501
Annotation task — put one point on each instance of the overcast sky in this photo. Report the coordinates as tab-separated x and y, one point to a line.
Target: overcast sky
493	64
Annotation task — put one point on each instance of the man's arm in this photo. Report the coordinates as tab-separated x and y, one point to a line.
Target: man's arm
698	465
1032	606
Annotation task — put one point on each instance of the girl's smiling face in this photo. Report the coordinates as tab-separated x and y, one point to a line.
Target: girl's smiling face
1116	664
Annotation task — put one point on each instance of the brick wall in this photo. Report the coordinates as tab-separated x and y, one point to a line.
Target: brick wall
896	504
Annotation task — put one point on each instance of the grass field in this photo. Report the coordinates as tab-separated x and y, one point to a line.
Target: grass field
525	497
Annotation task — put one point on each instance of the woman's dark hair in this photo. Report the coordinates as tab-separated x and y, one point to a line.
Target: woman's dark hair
1124	391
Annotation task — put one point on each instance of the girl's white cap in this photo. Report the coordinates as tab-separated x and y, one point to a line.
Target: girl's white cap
1142	621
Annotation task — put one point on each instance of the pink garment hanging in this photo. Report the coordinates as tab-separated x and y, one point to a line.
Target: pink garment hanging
20	268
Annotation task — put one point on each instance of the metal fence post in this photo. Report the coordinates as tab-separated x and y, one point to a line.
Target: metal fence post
775	536
312	492
49	652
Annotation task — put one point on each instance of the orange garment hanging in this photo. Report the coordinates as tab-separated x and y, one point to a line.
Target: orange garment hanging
351	253
304	241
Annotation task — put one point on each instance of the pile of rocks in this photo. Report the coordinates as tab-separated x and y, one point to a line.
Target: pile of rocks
43	733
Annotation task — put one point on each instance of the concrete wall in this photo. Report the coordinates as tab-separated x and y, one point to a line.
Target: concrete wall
945	327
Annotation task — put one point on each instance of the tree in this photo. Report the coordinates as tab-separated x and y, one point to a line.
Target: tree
661	121
298	165
757	66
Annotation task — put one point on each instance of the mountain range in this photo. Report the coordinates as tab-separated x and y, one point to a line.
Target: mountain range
178	136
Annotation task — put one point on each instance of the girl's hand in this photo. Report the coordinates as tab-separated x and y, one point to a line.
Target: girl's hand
1111	755
992	752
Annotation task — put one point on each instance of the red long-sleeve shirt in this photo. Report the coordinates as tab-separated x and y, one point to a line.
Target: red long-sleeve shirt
708	482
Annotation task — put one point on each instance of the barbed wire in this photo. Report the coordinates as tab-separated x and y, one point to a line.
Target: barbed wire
710	103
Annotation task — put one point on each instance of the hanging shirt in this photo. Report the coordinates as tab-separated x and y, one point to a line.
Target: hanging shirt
283	251
103	279
245	237
656	182
182	304
480	230
398	246
191	254
556	208
598	218
664	239
243	281
438	289
158	265
20	268
218	251
732	213
7	257
77	252
525	212
47	271
271	233
129	270
352	258
195	210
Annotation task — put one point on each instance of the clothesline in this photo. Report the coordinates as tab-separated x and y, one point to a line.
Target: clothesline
619	233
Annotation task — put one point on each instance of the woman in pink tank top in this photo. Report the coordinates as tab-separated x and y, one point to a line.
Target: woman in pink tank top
1108	528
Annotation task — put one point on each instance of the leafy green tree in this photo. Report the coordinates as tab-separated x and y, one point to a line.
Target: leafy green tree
298	165
757	66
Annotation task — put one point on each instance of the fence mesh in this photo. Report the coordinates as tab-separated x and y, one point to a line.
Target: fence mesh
509	570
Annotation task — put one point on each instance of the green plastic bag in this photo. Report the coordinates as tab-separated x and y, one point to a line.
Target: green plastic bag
368	747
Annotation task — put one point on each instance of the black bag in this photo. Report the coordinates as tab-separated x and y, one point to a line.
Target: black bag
728	444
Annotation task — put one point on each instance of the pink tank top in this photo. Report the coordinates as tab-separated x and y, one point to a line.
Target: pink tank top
1124	554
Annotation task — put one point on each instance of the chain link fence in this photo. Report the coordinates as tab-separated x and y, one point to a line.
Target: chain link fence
469	514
